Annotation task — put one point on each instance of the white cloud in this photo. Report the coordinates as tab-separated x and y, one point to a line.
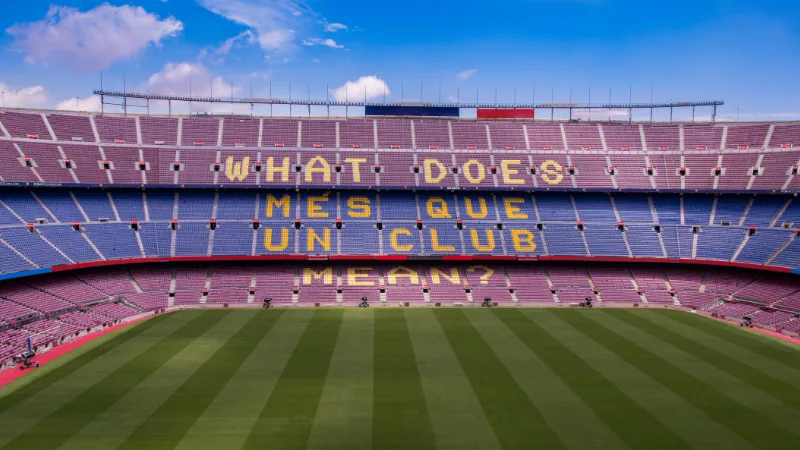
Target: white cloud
368	86
179	78
466	74
226	46
271	20
94	39
185	78
275	39
324	42
334	27
600	114
264	75
219	54
768	116
27	97
91	104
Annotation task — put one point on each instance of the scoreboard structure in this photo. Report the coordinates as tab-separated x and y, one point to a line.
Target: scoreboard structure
502	113
411	111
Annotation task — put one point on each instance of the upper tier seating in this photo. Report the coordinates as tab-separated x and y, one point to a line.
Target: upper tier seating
396	153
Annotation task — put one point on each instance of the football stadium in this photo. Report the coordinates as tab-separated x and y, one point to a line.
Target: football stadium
190	269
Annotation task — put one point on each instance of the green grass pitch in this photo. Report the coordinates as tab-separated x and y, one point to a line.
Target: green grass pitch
413	378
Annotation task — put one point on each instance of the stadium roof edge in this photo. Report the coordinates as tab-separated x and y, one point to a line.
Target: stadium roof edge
272	101
340	118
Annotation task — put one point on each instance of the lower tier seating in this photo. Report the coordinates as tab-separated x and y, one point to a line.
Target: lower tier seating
26	305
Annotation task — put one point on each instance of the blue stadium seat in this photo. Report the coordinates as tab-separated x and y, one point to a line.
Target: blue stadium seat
764	210
114	240
233	238
359	238
697	209
95	204
191	239
644	241
731	209
60	203
668	208
791	215
605	240
790	256
195	204
236	205
398	206
564	239
6	217
762	245
10	261
160	204
719	243
633	208
130	205
69	241
555	207
32	246
156	239
594	208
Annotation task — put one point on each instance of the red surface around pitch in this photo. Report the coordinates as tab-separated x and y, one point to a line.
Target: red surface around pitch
11	374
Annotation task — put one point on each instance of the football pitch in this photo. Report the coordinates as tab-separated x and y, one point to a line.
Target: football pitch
416	378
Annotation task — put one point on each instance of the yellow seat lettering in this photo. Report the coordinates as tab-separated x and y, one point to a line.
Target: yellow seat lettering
237	170
552	172
318	164
482	209
512	210
480	171
476	240
437	208
325	274
523	240
313	238
402	272
273	247
508	171
428	165
394	239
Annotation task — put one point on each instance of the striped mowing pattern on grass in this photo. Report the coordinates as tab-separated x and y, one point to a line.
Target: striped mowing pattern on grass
119	422
422	378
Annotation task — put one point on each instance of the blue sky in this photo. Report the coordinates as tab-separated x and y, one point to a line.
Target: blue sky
743	52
